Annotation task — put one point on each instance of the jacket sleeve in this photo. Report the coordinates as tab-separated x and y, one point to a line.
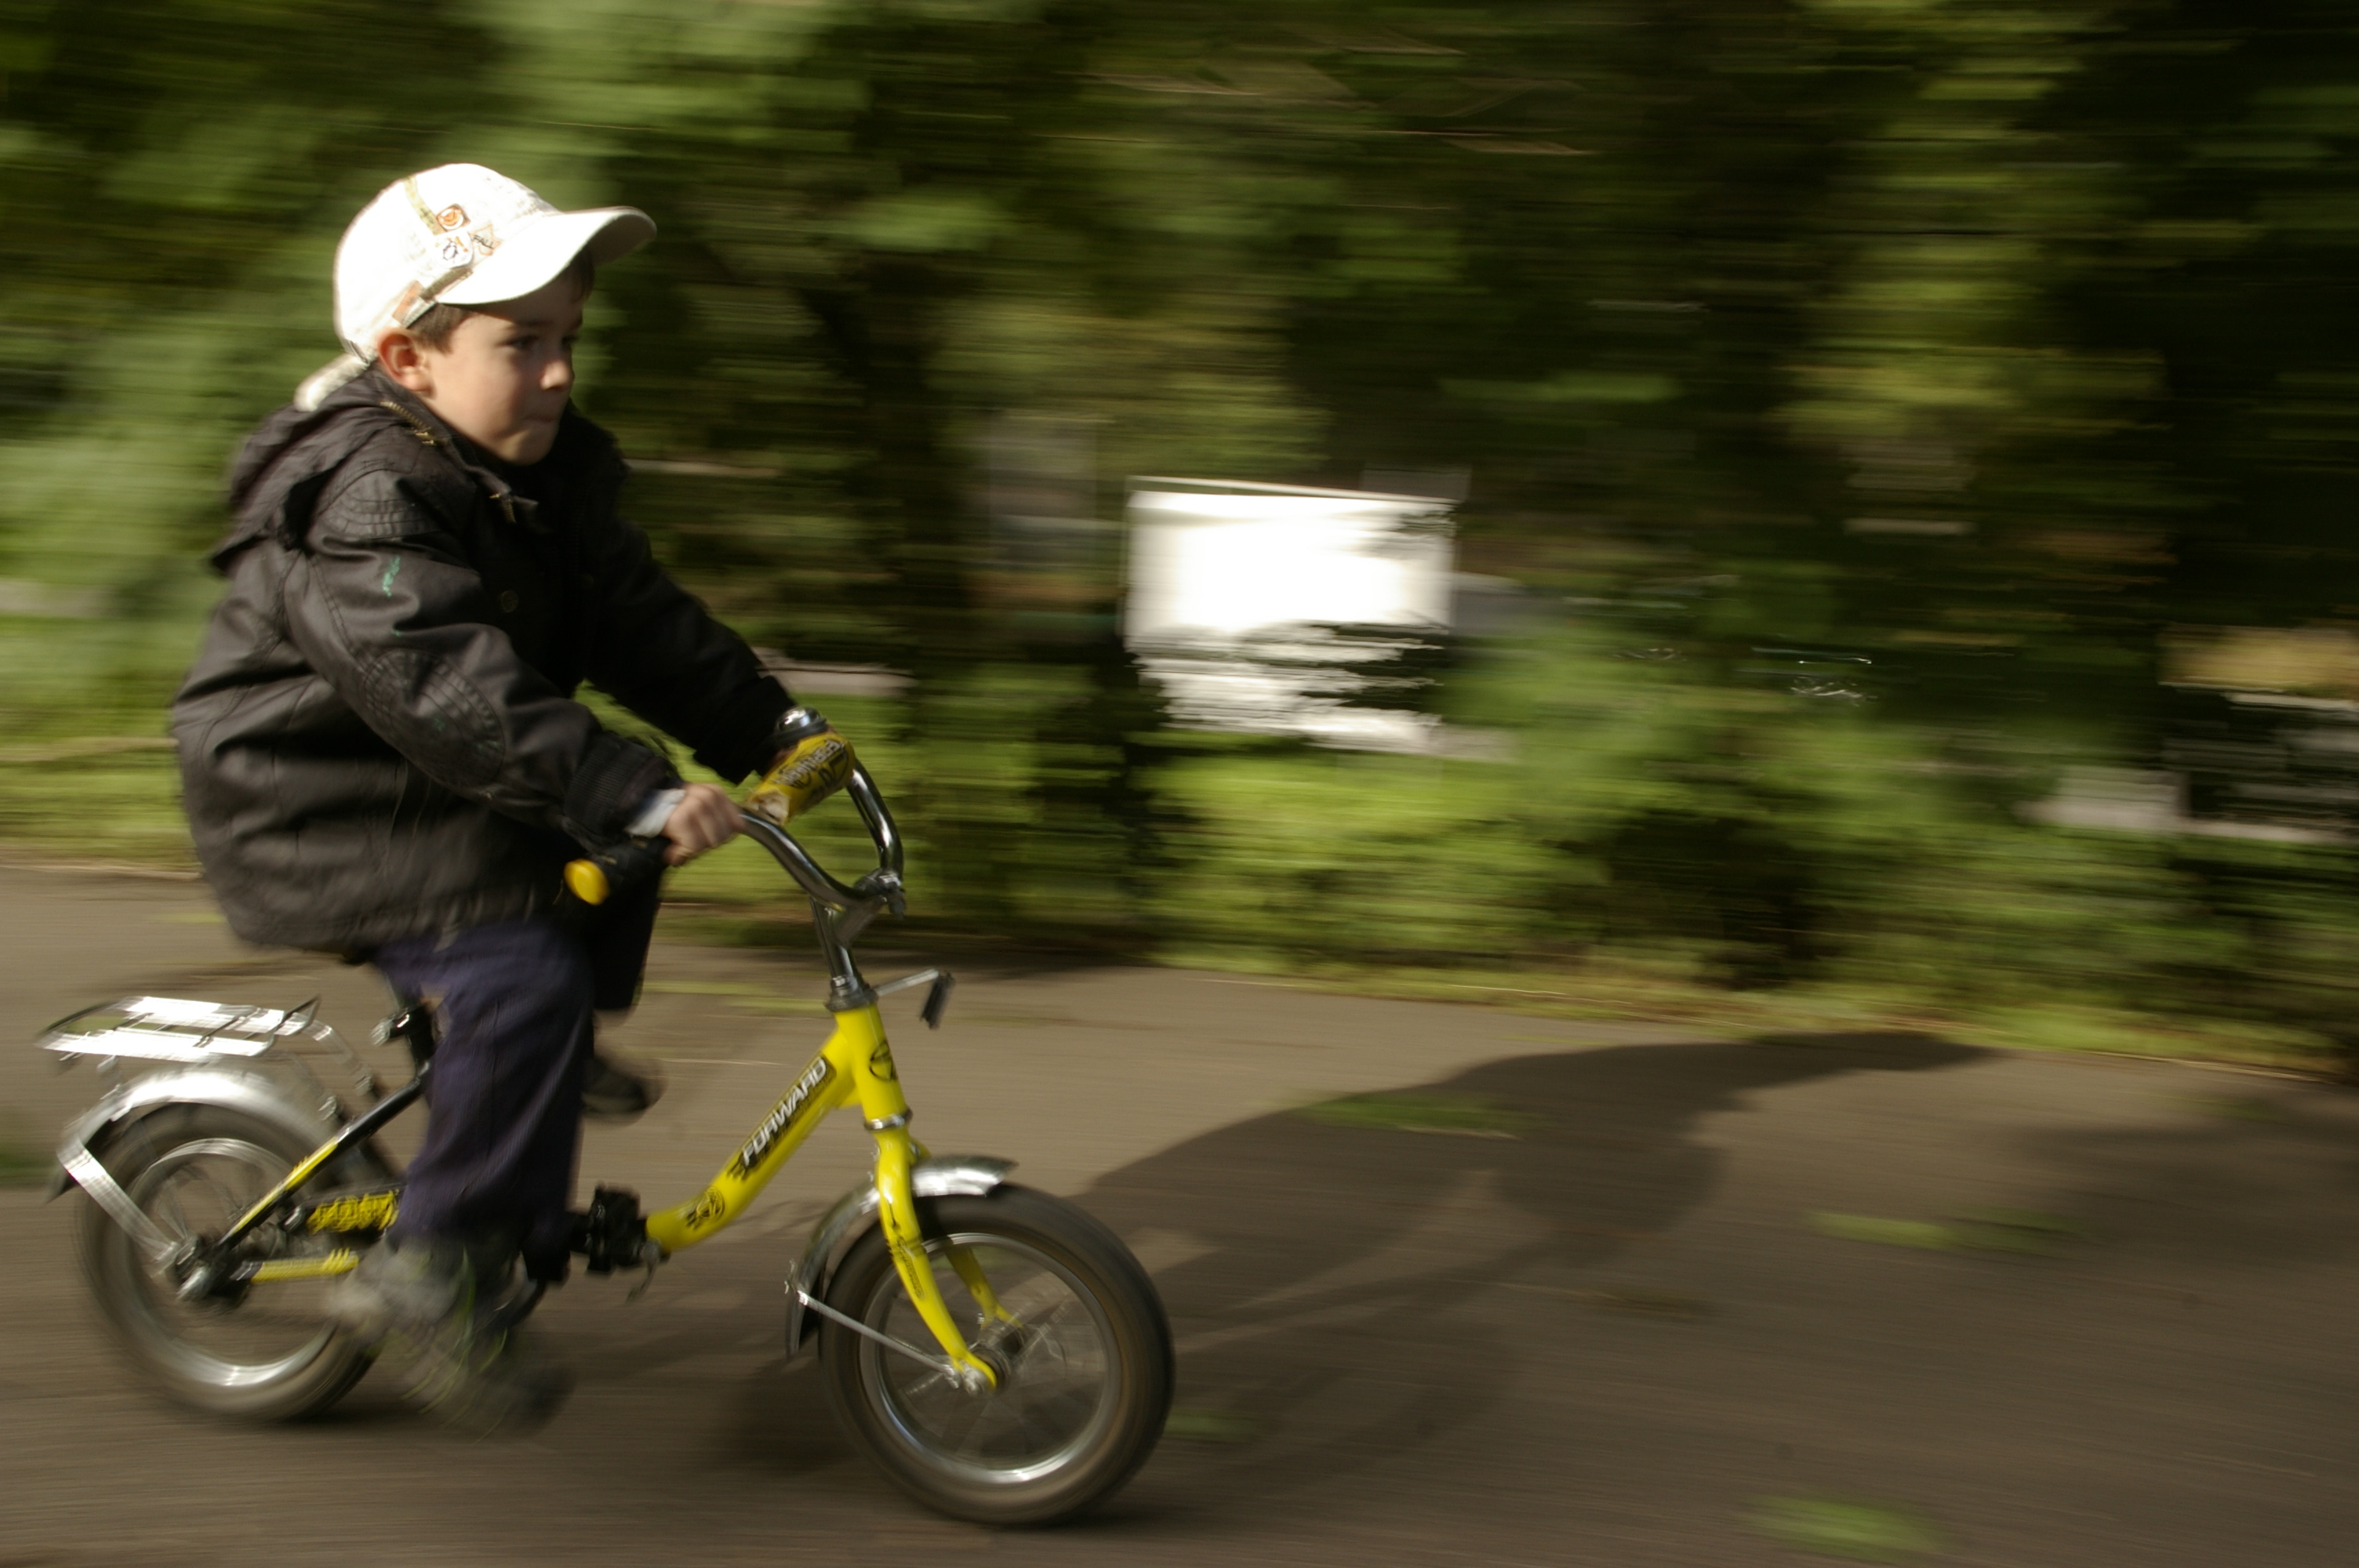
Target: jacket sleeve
661	656
383	606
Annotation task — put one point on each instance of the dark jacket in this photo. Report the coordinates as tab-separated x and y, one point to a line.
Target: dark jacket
379	738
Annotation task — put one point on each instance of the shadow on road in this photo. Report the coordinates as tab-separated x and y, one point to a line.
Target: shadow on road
2262	1176
1342	1292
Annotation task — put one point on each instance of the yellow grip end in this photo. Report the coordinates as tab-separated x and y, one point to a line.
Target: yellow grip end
587	880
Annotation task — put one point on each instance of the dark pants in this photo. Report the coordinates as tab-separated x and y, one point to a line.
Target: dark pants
513	1004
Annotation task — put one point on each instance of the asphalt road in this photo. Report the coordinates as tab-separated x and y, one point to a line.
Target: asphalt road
1629	1334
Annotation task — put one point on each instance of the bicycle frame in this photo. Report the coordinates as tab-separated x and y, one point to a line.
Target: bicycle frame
854	1067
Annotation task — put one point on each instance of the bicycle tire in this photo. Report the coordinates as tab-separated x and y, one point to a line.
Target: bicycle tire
1088	1373
272	1356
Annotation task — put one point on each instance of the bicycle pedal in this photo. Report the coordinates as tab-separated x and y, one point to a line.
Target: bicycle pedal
614	1233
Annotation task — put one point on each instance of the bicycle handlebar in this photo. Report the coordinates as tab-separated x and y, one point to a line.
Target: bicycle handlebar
595	878
882	885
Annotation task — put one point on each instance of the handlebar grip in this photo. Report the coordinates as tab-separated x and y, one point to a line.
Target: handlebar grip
595	879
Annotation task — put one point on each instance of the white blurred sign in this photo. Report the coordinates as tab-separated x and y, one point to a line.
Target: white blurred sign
1235	588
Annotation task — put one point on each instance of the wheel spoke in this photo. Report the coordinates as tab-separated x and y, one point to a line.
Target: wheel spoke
978	1411
1033	1296
230	1206
927	1383
170	1211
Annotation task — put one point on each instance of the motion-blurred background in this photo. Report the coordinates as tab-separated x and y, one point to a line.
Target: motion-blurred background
1851	502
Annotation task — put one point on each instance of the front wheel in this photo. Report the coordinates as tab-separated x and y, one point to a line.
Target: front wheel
1081	1343
272	1353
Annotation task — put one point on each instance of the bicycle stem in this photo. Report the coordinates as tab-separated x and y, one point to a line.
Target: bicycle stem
840	912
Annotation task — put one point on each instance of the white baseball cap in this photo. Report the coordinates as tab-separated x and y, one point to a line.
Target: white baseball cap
459	235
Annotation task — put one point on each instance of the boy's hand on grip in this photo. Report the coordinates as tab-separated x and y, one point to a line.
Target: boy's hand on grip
814	762
705	819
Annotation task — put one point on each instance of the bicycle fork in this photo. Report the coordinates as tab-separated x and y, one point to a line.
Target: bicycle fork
884	1113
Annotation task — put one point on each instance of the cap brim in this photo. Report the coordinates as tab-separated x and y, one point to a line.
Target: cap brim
546	246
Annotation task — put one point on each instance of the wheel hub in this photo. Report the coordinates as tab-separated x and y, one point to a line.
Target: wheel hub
993	1355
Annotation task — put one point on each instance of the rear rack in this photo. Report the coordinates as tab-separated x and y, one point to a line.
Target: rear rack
172	1029
165	1029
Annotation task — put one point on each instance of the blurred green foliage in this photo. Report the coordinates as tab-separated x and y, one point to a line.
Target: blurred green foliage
1865	393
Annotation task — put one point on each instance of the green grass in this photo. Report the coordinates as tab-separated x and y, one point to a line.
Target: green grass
1209	1426
1837	1527
110	799
1977	1231
23	1164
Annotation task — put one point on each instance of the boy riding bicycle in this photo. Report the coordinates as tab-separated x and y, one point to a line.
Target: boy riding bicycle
379	746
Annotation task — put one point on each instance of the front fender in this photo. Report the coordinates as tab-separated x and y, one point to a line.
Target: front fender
965	1176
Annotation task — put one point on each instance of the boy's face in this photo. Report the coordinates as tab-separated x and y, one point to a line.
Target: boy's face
504	380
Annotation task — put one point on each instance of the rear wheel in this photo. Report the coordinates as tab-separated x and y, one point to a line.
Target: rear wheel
271	1352
1085	1365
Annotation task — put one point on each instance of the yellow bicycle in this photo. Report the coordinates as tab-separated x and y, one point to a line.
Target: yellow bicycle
997	1351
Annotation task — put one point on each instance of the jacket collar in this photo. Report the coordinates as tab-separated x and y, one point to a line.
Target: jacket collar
287	459
428	428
